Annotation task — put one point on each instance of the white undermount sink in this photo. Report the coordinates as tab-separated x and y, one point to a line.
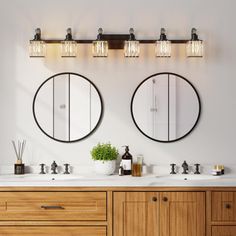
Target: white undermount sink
30	177
51	178
189	177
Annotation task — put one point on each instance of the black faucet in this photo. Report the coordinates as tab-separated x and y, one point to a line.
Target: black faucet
42	172
54	167
197	171
185	168
67	169
172	169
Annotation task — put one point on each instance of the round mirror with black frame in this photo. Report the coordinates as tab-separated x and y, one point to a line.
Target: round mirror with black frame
67	107
165	107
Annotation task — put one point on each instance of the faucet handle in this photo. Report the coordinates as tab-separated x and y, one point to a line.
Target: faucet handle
197	170
67	169
42	171
173	169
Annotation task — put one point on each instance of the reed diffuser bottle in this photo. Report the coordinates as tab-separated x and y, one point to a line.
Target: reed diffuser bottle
19	150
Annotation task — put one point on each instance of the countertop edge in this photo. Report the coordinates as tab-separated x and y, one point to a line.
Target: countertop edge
117	188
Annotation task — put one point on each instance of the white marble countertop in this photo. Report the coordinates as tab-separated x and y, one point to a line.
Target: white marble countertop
36	180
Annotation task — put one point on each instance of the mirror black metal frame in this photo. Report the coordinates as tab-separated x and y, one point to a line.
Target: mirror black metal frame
199	102
101	113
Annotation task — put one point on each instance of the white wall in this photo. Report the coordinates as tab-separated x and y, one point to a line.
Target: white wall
117	77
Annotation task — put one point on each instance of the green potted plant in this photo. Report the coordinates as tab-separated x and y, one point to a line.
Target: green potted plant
104	156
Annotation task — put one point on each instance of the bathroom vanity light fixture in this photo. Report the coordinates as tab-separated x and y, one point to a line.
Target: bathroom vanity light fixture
37	47
194	47
126	42
100	46
131	47
163	46
68	46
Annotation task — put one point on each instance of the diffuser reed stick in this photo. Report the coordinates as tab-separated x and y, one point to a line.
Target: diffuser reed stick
19	149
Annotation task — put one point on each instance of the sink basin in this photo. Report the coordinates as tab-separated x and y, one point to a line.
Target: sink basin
187	177
51	178
35	178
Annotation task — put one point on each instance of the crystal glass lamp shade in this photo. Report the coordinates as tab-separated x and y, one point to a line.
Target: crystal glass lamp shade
132	48
163	48
100	48
37	48
68	48
194	48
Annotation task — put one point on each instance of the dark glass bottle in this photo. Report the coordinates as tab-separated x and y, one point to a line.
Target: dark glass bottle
127	162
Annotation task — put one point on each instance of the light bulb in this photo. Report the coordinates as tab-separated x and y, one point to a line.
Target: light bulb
100	47
69	46
131	46
194	47
163	46
37	47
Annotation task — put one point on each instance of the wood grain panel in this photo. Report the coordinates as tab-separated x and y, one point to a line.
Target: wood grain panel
224	231
223	206
182	214
136	214
52	231
69	206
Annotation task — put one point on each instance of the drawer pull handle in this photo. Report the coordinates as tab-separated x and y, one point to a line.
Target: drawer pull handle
227	206
165	199
52	207
154	199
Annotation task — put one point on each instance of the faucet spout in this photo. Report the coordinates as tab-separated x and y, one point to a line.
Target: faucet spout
185	167
54	167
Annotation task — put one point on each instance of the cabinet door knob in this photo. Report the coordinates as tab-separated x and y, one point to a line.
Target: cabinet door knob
165	199
227	206
154	199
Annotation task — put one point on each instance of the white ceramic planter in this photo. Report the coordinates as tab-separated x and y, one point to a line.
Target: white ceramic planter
105	167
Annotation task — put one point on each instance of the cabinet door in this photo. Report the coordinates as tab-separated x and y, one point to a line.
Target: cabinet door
182	213
223	206
53	230
136	214
223	230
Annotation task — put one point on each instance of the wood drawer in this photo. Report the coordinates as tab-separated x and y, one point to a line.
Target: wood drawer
63	206
223	231
53	230
223	205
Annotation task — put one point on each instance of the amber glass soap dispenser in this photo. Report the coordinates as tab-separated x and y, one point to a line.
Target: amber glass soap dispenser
127	162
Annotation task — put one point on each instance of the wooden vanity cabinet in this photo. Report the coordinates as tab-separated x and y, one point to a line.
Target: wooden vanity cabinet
118	211
159	214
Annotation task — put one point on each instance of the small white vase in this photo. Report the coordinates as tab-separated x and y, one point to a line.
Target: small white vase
105	167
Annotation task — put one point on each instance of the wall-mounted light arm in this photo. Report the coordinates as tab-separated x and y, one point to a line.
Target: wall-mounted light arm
127	42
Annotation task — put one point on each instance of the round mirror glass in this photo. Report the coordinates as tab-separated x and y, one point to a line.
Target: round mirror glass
165	107
67	107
